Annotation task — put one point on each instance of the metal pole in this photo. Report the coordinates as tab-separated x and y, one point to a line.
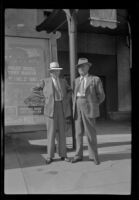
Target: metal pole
73	61
72	29
73	47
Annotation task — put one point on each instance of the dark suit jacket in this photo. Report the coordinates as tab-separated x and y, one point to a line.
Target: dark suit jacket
94	96
48	92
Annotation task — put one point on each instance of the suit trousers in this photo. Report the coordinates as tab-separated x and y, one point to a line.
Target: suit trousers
85	125
56	130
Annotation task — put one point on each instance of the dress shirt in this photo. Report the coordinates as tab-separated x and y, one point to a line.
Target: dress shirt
82	93
57	86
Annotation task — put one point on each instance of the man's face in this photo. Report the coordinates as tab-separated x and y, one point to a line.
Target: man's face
55	72
83	69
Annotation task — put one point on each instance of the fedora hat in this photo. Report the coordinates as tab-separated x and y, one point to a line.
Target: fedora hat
82	61
54	66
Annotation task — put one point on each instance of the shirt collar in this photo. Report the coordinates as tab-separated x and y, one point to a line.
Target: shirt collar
54	77
84	76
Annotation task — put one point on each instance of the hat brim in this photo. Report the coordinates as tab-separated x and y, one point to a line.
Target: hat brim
80	65
55	69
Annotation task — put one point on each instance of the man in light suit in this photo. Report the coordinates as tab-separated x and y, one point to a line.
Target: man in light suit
88	94
56	110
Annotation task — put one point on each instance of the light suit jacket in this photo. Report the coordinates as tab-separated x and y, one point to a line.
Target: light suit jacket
48	91
94	96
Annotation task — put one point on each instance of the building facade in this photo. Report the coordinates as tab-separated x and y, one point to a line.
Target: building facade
109	54
111	62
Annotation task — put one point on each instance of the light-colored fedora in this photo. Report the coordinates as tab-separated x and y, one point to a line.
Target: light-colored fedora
82	61
54	66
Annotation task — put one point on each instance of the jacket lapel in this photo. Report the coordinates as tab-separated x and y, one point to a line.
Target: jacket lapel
77	85
62	87
89	79
88	82
49	85
61	84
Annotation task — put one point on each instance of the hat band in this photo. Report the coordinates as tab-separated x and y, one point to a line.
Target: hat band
55	68
84	63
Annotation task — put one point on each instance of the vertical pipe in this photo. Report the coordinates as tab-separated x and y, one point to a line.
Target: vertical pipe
72	30
73	61
73	47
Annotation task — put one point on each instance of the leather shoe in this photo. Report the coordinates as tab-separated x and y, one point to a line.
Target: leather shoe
49	160
97	162
65	159
74	160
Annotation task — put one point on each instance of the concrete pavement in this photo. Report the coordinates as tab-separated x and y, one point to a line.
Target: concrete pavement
27	173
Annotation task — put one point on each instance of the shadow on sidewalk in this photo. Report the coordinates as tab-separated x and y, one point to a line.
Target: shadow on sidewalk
105	144
20	153
111	156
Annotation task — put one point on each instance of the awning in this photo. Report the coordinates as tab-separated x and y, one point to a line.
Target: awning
104	18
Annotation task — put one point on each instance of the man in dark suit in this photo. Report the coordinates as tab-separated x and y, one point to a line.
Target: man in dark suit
56	110
88	94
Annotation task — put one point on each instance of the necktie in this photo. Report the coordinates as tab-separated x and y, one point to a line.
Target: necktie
81	90
57	90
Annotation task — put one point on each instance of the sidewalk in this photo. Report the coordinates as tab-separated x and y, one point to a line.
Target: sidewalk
27	173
